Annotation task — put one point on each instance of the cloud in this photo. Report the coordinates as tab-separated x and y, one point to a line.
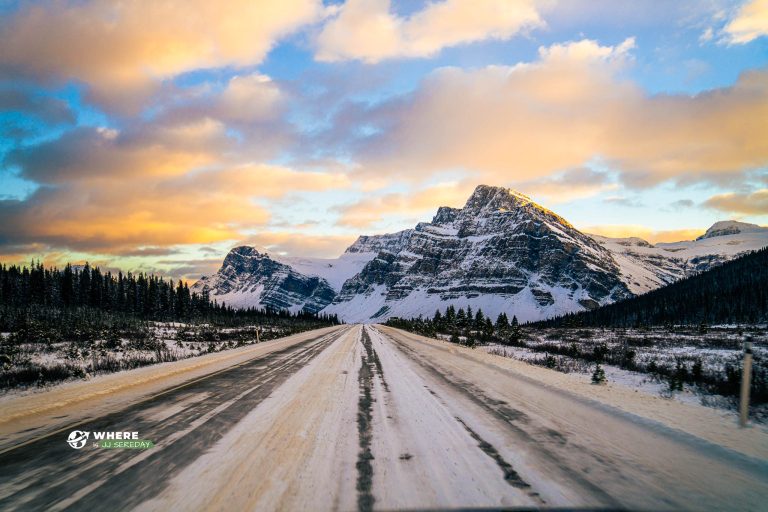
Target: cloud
504	124
256	181
749	23
413	205
651	235
578	183
245	100
243	122
623	201
250	98
124	51
585	51
755	203
682	203
26	114
188	270
116	216
150	251
367	30
51	111
98	153
296	243
189	174
707	35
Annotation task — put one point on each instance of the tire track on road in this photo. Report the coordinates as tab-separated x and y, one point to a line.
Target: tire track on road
515	422
365	499
428	454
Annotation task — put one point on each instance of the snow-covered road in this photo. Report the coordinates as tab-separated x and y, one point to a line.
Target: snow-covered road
371	417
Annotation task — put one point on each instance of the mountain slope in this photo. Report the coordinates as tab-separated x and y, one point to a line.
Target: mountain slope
334	270
645	267
734	292
500	252
248	278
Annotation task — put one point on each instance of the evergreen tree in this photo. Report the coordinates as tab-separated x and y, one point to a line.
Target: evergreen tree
75	299
450	316
502	323
598	376
488	329
461	319
479	320
514	331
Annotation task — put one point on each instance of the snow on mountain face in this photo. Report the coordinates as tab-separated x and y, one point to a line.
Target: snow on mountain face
334	270
248	278
501	252
645	267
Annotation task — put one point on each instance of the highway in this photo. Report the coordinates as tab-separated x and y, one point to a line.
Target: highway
369	417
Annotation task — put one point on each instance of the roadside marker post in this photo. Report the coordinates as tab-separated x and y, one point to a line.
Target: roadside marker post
746	380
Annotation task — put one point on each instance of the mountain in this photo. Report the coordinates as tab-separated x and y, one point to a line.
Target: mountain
500	252
732	227
645	267
735	292
248	278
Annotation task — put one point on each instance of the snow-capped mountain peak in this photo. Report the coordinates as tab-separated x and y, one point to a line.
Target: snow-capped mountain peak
731	227
500	252
248	278
487	199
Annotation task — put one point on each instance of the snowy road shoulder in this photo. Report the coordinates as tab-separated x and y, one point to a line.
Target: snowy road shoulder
31	415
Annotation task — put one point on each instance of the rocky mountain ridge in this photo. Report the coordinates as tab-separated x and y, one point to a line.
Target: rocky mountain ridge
248	278
500	252
646	266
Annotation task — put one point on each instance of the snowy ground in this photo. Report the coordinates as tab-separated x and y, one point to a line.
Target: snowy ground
30	367
646	359
375	418
635	380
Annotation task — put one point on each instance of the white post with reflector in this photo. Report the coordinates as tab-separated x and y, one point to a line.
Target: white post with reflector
746	380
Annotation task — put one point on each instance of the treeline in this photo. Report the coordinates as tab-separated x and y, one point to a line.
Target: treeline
735	292
464	327
80	321
144	296
86	295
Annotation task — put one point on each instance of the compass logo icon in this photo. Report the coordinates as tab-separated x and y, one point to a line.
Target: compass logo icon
77	439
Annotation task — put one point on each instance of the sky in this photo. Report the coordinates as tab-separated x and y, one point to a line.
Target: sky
154	136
